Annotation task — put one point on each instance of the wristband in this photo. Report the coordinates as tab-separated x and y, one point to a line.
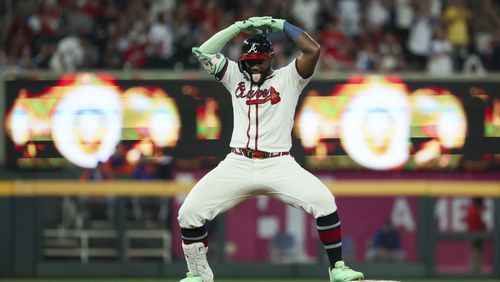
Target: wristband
292	31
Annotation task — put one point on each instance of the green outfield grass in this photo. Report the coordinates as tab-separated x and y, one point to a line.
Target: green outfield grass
229	280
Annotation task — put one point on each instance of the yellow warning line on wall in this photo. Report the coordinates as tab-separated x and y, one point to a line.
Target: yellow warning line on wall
171	188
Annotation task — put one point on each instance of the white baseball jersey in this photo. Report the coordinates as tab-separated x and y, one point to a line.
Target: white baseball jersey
263	120
263	115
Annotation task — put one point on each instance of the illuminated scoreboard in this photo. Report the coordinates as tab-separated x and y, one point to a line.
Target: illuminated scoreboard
86	116
374	118
364	122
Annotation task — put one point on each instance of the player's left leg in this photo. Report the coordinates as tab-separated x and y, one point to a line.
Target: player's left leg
294	185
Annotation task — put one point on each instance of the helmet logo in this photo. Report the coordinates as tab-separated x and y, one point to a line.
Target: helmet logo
253	49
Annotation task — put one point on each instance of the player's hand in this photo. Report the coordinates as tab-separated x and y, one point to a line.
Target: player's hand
257	19
269	23
247	26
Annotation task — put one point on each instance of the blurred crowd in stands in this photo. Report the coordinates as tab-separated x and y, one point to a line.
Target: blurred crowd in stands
120	166
147	210
437	36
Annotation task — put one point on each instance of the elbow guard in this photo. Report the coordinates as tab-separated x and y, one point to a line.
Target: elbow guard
212	63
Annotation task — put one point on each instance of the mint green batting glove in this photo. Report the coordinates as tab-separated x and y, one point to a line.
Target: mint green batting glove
256	19
247	26
269	23
215	43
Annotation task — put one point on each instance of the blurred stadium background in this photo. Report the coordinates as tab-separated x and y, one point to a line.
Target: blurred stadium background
108	122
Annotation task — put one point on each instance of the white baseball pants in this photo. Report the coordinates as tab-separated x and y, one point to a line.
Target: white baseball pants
237	178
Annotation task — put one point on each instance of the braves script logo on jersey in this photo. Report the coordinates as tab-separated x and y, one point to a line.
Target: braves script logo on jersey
261	95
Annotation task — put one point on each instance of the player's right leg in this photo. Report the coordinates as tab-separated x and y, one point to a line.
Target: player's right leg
196	259
219	190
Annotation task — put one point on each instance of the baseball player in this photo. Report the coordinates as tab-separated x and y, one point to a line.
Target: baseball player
259	163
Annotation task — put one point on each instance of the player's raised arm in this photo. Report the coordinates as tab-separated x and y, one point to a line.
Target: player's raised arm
207	52
306	62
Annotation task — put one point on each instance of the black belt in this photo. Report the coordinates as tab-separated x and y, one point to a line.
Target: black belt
256	154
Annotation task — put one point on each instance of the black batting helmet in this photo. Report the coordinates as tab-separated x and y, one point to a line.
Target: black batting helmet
256	47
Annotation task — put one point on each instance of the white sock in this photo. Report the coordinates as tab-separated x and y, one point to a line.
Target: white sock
196	258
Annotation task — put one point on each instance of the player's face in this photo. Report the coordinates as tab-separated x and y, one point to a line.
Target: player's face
257	65
258	68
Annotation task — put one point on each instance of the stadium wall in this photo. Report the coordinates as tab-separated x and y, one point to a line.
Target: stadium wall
21	203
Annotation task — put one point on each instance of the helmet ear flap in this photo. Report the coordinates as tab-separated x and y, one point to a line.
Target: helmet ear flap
243	70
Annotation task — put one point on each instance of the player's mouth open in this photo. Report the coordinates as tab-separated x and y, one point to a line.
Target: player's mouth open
256	77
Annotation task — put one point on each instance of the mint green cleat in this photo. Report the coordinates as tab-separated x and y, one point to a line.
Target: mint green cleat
343	273
190	277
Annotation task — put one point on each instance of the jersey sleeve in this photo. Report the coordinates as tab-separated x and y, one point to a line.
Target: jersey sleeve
230	72
295	78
